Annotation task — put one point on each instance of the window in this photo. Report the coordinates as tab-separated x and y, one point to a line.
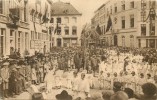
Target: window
58	20
131	41
132	4
26	41
143	15
66	20
2	42
19	40
25	12
74	19
139	43
115	8
59	31
66	29
123	41
132	21
152	29
32	35
1	6
11	33
123	5
52	20
74	30
143	4
123	22
143	29
152	3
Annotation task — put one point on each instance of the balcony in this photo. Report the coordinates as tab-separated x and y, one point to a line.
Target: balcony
24	24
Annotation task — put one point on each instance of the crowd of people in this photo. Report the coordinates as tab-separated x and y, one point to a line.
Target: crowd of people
130	73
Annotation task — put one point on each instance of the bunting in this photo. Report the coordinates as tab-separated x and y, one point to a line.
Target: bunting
109	24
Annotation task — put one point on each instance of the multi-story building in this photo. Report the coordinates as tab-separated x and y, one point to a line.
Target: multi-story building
129	23
66	26
18	20
14	26
39	25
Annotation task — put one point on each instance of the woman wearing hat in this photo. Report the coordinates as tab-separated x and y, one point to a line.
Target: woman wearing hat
5	78
63	96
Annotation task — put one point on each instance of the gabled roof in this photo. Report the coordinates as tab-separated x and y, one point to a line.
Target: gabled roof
61	8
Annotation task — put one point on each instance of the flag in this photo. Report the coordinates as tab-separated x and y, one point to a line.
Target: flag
45	19
83	30
98	30
109	24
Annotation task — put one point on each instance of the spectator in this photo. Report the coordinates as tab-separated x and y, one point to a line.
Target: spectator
107	95
5	78
149	91
63	96
117	86
130	93
119	96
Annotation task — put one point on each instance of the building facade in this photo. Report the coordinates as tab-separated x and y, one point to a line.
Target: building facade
39	21
65	25
128	23
16	26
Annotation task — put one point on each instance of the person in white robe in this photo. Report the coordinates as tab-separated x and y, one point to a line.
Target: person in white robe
102	65
83	87
49	79
101	80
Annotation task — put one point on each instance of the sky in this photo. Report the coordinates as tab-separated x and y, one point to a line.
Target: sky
86	7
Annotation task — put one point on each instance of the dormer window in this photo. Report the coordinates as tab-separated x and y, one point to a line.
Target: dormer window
65	11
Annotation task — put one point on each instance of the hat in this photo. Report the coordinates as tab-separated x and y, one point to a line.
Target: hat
64	96
5	63
18	67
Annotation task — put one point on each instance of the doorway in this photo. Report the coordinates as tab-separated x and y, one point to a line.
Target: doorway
115	40
59	42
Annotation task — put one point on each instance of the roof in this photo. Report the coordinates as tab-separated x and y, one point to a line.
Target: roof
61	8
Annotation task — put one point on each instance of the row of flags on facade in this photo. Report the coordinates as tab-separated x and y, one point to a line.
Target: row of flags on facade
98	29
109	26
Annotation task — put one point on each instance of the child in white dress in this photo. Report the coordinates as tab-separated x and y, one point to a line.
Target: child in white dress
101	80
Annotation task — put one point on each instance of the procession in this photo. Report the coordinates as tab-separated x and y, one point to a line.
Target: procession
107	69
78	50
